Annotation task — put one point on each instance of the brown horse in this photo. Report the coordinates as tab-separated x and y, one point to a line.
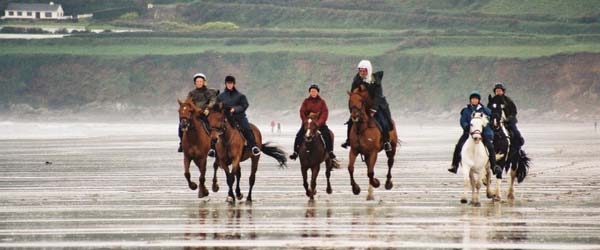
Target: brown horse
365	138
312	153
230	150
195	143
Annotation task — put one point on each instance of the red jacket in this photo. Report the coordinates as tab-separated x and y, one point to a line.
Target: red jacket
315	105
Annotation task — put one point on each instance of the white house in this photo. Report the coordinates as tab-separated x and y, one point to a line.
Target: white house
34	11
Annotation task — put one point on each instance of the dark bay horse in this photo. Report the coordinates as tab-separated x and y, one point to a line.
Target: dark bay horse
507	155
312	153
230	150
365	138
195	143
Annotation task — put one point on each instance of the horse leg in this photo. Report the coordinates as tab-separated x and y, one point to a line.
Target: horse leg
475	186
186	172
215	185
498	190
230	180
511	188
390	156
304	180
328	167
238	176
466	170
371	159
201	163
313	181
252	178
351	160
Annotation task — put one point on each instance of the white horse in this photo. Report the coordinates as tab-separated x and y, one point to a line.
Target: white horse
474	160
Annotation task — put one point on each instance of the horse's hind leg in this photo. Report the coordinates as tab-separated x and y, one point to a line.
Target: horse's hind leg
351	160
328	167
252	177
511	188
186	173
215	185
230	179
390	156
371	159
201	163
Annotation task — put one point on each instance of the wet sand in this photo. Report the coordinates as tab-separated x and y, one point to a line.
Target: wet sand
119	191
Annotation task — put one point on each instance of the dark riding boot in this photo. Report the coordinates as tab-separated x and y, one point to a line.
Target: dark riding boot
180	149
456	155
385	130
251	141
297	142
213	145
347	143
492	156
515	136
328	141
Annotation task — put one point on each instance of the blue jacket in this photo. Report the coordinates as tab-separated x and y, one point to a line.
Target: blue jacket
234	99
465	118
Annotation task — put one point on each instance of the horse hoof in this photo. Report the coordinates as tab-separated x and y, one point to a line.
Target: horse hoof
389	185
375	183
311	198
215	188
490	196
463	201
202	193
248	201
356	189
497	198
477	204
511	197
193	185
370	197
329	191
230	200
239	196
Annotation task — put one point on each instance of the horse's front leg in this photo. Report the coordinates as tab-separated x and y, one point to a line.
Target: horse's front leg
351	160
475	186
466	182
390	156
511	188
371	159
215	185
201	163
238	175
186	172
252	179
328	167
230	179
313	181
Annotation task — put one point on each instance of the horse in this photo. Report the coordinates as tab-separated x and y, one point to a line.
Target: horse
312	153
195	143
508	156
474	160
230	150
365	138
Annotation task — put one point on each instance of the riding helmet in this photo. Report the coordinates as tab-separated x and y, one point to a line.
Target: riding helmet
230	79
475	94
499	85
314	86
199	75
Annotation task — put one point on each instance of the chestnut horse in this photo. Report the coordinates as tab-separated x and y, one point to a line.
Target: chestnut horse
195	143
230	150
365	138
312	153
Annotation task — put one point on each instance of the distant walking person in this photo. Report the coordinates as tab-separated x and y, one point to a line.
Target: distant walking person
272	126
596	126
278	128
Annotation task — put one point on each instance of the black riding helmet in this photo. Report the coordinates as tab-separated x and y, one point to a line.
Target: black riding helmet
499	85
314	86
230	79
475	94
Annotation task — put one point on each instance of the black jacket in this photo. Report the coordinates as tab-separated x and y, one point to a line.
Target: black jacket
509	108
234	99
375	89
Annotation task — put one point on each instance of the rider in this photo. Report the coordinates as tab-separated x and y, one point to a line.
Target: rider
314	104
203	97
380	109
488	135
510	110
235	103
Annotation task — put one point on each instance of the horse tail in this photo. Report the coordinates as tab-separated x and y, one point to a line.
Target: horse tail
523	163
275	152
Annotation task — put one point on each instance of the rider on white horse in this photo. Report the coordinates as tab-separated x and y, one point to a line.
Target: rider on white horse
488	134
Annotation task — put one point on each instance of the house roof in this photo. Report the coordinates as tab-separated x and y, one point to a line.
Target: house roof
33	6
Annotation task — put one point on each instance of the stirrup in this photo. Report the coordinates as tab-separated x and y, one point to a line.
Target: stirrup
331	155
387	146
294	156
345	144
255	151
453	169
211	152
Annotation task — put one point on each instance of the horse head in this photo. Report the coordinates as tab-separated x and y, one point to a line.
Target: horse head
478	122
186	113
310	125
358	103
496	105
217	121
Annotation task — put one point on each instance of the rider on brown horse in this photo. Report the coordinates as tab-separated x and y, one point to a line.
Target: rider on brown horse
203	97
381	112
314	104
235	104
510	110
